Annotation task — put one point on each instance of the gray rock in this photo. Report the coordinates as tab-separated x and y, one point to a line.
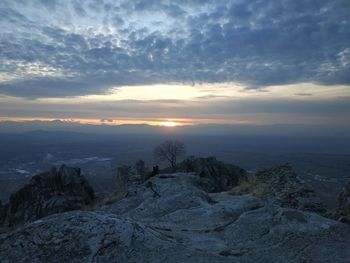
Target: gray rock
282	186
56	191
93	237
275	234
170	218
343	212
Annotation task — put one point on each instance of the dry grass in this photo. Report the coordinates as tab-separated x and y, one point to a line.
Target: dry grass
108	200
250	186
120	192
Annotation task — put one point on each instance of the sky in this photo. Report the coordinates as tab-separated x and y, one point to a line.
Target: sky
258	62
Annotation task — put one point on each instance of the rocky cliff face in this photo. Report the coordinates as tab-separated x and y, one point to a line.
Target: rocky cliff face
282	185
343	212
59	190
170	218
3	211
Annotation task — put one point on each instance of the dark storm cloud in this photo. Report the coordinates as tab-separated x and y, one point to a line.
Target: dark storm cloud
90	46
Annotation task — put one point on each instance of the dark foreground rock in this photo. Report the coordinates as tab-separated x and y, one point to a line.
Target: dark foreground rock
170	218
59	190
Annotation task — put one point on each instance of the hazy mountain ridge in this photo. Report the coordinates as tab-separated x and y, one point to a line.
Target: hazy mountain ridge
199	129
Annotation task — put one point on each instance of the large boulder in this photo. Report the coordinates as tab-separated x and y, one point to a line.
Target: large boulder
56	191
214	176
93	237
281	185
343	212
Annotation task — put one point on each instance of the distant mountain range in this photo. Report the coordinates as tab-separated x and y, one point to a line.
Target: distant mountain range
209	129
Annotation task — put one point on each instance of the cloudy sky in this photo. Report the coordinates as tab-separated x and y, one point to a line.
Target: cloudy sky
191	62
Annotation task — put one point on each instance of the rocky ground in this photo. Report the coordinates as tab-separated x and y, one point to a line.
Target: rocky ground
173	218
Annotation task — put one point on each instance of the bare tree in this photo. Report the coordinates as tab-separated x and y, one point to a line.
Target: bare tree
170	151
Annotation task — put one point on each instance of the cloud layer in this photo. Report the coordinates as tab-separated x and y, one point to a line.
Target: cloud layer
52	48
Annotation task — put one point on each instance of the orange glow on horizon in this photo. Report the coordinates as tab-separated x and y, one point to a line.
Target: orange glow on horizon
169	123
109	122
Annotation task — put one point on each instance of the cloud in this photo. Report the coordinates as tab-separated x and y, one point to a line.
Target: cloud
96	45
272	108
303	94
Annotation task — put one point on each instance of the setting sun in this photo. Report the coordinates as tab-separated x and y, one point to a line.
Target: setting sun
168	123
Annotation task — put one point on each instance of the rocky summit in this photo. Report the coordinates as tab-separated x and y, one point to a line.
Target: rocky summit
56	191
173	218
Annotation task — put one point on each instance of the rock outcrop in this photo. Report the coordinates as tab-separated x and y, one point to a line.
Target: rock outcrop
59	190
169	218
281	185
3	211
214	176
343	212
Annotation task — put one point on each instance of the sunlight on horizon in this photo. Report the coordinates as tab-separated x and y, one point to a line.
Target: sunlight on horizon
169	123
109	122
171	105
